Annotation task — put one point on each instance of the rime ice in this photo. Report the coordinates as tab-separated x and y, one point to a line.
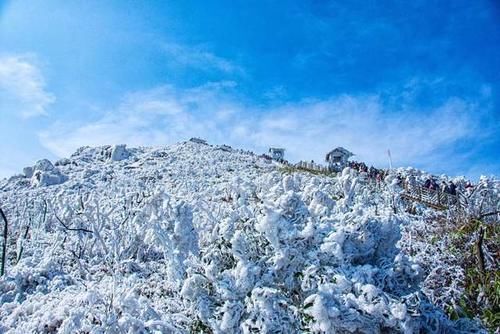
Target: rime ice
192	237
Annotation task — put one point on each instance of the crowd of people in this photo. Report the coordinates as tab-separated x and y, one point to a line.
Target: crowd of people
448	187
372	172
377	174
445	186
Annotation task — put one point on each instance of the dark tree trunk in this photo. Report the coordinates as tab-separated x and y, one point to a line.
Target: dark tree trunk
4	245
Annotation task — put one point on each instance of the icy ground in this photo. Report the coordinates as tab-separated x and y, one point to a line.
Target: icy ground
193	238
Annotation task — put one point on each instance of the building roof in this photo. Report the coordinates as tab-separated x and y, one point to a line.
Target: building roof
198	140
339	151
276	149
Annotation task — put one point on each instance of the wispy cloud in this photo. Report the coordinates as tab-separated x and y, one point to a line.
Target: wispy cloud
22	87
158	116
307	129
364	125
200	58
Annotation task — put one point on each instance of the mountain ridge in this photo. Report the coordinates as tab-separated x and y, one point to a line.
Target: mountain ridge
194	237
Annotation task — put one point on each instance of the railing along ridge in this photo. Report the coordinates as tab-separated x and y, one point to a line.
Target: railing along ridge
431	197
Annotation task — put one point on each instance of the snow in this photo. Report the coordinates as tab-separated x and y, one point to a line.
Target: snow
119	152
191	237
43	173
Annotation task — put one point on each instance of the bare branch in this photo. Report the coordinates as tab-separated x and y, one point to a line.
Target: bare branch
489	214
71	229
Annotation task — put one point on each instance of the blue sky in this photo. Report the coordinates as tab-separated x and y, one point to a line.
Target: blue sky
420	78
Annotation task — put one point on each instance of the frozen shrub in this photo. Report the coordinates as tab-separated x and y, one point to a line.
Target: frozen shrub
192	238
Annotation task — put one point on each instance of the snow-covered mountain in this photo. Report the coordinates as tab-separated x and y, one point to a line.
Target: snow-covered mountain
195	238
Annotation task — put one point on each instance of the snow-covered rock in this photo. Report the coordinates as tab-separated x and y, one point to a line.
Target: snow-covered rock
44	173
28	172
119	152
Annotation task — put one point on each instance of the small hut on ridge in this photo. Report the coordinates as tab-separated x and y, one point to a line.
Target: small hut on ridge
338	159
277	154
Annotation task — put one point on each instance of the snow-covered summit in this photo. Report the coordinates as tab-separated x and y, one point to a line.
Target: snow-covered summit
208	239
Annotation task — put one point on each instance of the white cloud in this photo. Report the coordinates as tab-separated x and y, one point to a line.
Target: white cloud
159	116
307	129
22	88
363	125
198	57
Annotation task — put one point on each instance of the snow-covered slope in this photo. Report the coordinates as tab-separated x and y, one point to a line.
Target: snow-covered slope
199	238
